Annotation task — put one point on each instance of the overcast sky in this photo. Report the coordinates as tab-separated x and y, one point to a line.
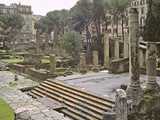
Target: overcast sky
41	7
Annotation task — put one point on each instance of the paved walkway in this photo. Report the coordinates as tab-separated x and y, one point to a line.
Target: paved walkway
102	83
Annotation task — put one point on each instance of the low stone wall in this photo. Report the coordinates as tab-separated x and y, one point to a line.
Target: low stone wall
20	67
40	75
119	66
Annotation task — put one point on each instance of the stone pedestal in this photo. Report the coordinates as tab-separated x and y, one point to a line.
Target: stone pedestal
106	51
151	66
134	90
95	58
52	63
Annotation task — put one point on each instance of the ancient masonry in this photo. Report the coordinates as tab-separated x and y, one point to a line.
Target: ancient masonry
151	66
134	91
26	12
137	103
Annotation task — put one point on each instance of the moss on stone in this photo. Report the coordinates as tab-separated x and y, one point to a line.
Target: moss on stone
149	107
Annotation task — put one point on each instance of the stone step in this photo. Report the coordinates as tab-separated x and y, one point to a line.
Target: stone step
79	104
75	96
69	105
83	94
33	95
71	102
72	115
36	94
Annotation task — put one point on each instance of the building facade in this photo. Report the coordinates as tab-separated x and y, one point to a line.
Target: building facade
26	34
142	8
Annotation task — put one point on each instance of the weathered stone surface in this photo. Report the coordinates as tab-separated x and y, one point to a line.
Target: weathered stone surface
26	108
151	66
95	57
82	65
121	105
52	63
34	59
117	55
109	116
119	66
126	46
106	51
134	90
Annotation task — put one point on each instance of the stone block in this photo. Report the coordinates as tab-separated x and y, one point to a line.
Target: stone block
109	116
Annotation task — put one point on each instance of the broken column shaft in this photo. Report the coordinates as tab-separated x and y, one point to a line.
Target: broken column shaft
106	51
52	63
134	90
95	58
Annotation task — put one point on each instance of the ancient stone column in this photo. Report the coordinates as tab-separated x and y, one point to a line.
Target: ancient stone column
121	105
134	90
142	58
52	63
151	66
38	41
126	47
82	63
106	51
95	58
116	49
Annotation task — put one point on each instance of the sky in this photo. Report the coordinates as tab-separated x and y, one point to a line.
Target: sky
41	7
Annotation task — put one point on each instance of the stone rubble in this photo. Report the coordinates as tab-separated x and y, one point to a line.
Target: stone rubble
26	108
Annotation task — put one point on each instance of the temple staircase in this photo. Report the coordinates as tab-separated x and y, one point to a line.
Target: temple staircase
79	105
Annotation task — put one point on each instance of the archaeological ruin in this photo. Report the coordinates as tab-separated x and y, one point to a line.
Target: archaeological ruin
98	60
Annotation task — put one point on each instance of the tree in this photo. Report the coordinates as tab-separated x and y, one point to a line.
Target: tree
152	26
72	44
54	21
118	8
11	25
81	15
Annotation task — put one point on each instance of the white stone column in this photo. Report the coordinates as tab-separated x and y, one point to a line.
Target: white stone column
38	42
134	90
82	61
116	49
126	47
106	51
95	58
151	66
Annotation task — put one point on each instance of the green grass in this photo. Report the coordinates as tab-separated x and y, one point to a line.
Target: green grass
45	61
6	113
12	61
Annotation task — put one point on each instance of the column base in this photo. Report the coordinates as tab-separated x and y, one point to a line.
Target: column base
134	93
152	83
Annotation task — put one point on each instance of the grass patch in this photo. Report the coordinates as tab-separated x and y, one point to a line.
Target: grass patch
12	61
45	61
6	113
